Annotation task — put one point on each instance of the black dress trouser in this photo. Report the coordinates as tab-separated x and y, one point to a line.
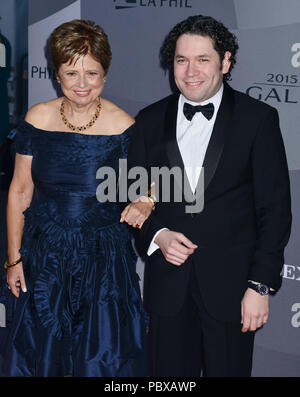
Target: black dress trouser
192	342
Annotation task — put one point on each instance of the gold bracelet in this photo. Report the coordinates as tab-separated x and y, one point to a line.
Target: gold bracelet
7	265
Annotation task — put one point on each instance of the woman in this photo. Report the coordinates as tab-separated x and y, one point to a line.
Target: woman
71	264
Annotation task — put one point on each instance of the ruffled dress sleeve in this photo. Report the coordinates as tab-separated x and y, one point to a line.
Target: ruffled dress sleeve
23	138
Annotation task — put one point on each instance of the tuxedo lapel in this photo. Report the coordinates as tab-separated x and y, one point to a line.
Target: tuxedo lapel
219	135
173	152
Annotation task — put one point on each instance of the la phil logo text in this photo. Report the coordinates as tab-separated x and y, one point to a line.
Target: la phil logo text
125	4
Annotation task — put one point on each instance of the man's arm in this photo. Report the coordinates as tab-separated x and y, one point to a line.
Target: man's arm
272	200
174	246
273	211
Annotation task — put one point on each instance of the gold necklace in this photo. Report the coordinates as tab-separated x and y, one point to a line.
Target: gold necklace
83	127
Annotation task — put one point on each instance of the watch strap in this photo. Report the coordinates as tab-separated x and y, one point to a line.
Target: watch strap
262	289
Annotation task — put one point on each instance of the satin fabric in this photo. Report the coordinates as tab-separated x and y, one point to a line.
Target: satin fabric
82	314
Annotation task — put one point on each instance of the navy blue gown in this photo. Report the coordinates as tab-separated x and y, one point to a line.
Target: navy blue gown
82	314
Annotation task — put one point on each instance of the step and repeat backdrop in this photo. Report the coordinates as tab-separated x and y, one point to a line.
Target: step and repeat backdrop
268	68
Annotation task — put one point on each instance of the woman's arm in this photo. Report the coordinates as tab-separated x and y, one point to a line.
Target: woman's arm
19	198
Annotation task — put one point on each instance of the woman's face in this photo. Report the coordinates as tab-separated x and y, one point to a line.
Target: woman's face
82	82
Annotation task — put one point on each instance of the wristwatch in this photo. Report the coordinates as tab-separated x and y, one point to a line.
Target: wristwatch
262	289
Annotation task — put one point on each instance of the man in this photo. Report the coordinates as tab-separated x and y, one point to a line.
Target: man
209	274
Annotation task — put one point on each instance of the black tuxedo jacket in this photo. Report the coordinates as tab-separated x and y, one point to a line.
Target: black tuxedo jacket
245	223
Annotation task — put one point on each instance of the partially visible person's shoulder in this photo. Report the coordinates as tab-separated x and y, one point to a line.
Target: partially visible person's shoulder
121	120
41	115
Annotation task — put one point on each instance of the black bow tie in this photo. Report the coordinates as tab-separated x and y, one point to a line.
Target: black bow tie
207	110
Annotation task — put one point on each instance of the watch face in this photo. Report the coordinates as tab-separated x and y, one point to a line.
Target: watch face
263	289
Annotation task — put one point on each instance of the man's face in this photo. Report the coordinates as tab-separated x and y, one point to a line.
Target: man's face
198	71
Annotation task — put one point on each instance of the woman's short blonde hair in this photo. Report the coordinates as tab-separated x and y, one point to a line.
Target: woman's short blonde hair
77	38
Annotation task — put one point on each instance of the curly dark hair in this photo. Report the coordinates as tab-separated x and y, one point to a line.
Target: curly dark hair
223	40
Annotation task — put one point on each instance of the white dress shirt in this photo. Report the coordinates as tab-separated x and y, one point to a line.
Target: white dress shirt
193	138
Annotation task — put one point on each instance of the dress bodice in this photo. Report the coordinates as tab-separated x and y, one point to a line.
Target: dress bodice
65	165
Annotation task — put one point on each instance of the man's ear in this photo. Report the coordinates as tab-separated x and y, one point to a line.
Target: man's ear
226	62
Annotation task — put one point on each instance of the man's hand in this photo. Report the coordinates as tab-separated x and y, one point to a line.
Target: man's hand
255	310
175	247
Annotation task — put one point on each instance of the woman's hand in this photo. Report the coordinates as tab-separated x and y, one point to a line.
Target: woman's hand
137	212
15	279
